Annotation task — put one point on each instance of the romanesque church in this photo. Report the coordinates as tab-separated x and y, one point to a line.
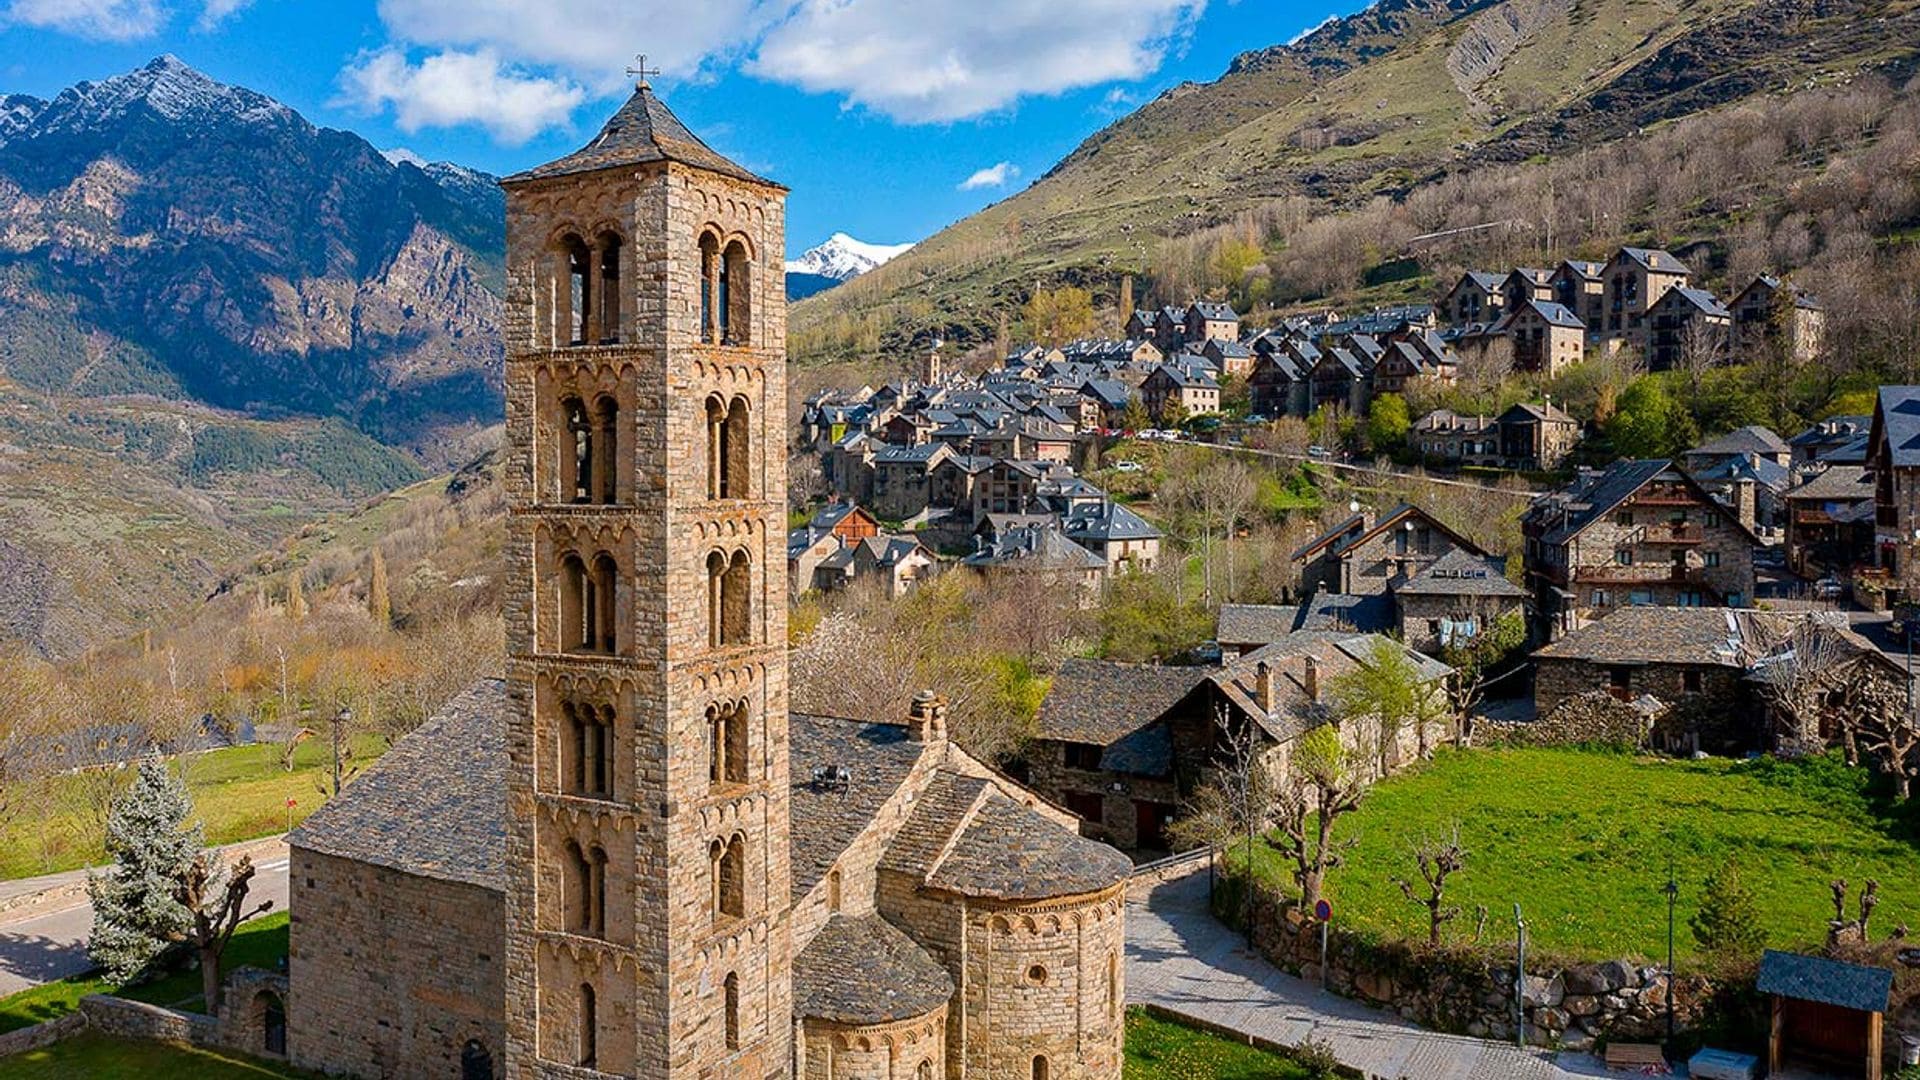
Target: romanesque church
627	859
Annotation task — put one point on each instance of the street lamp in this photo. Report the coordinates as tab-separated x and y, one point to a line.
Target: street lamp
1672	889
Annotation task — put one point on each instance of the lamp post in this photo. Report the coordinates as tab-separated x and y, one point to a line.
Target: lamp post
1672	889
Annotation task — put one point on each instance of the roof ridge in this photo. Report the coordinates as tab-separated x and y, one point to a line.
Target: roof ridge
987	789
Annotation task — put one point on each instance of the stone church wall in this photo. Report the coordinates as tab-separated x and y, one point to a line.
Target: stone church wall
405	970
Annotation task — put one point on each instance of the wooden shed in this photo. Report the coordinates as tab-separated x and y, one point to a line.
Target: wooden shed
1826	1013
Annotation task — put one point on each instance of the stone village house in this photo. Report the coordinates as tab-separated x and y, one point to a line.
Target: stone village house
629	857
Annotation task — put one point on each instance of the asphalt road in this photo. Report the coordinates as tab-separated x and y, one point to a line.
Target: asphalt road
40	946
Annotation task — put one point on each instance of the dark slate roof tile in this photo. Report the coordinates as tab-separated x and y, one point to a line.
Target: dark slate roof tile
1100	702
642	132
822	822
1009	852
863	970
1829	982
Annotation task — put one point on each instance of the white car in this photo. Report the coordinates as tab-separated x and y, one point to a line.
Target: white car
1124	465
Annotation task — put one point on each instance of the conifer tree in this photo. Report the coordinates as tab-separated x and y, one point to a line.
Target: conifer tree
135	914
296	595
378	604
1728	922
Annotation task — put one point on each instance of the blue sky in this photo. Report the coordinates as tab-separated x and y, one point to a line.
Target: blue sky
877	113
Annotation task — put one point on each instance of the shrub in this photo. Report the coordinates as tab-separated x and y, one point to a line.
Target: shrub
1728	922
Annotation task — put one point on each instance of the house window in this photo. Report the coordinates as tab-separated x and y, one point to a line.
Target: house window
1084	756
1620	678
1640	598
1623	556
1710	558
1601	599
1690	681
1624	517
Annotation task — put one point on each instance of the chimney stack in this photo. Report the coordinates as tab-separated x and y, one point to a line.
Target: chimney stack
1312	678
927	717
1263	686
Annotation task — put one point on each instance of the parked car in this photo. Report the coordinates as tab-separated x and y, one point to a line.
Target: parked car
1829	588
1318	452
1123	465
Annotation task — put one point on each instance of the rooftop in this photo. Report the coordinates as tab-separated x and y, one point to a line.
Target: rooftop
863	970
642	132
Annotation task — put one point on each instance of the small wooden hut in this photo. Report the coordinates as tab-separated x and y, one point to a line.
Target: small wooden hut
1826	1013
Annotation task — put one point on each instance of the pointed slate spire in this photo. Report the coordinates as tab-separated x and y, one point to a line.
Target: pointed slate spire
643	131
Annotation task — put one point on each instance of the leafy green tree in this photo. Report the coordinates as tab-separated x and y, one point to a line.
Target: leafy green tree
1145	617
1054	316
1134	417
1648	422
1388	422
1387	690
135	912
1728	922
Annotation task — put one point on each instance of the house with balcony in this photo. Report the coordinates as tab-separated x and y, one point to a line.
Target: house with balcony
1688	328
1365	555
1524	285
1279	386
1478	297
1893	459
1635	280
1771	313
1829	523
1640	533
1580	287
1546	337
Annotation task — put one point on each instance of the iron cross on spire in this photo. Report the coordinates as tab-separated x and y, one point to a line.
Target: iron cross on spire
642	72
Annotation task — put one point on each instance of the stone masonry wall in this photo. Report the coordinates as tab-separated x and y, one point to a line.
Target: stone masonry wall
404	970
913	1049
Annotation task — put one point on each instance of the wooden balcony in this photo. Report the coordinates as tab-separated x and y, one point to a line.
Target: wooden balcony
1642	574
1674	534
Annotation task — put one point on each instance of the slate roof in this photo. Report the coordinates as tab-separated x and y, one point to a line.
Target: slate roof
643	131
1215	312
448	775
863	970
1593	496
1655	259
1899	412
1829	982
822	823
1839	483
1371	613
1700	299
1294	710
1657	635
1486	280
1100	702
1526	411
1106	521
1461	573
1006	851
1583	268
1249	623
1109	393
1555	314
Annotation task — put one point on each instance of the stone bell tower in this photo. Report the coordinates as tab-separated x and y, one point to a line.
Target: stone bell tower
647	849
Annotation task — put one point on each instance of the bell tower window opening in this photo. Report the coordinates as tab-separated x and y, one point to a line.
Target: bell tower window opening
587	1052
606	442
729	877
576	290
735	604
588	761
608	249
710	308
731	990
728	441
578	482
728	744
736	295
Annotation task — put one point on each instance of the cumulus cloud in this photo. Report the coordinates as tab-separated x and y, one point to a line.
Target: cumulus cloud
451	87
993	176
955	59
215	12
99	20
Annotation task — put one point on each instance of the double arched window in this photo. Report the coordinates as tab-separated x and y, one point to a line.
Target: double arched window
586	289
729	603
587	604
586	750
586	892
727	743
726	290
727	445
588	455
729	859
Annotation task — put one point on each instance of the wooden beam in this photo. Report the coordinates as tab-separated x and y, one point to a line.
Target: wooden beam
1873	1046
1773	1038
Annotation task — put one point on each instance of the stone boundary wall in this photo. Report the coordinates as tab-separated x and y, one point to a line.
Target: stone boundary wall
1147	875
1469	990
41	1035
1593	718
126	1019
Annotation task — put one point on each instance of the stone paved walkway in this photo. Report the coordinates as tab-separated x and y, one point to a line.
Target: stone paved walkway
1181	959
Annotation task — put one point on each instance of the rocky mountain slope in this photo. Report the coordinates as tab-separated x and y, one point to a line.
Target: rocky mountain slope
1375	104
216	321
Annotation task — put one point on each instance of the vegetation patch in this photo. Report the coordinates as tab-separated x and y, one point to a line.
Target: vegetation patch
1159	1049
1582	841
98	1057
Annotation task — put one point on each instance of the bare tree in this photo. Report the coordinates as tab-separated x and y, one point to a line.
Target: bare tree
1234	804
216	904
1437	859
1894	741
1813	678
1841	929
1702	348
1307	809
1213	492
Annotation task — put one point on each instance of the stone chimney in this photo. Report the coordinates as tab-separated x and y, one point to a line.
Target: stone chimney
1312	678
927	717
1263	686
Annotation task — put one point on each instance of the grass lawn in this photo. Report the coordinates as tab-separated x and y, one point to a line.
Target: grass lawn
97	1057
1163	1050
1582	840
261	943
241	793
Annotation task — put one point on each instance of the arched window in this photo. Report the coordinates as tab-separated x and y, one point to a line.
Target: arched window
833	890
729	604
716	449
586	894
1041	1069
736	293
710	264
731	988
587	754
576	292
729	877
577	616
589	1035
577	464
610	300
600	620
925	1071
1113	986
602	477
734	436
727	743
735	603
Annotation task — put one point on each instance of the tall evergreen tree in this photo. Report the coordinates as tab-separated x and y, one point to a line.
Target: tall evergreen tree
379	604
135	914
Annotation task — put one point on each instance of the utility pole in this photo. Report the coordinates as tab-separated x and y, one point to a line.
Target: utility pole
339	729
1520	979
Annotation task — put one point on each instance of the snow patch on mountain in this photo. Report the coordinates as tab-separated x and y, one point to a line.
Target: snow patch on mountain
842	257
168	87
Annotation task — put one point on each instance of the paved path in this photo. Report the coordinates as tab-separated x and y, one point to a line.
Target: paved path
45	940
1183	960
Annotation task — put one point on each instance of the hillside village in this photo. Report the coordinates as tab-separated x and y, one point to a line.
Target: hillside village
1418	668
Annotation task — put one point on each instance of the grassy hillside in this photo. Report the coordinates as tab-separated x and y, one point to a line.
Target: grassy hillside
1378	106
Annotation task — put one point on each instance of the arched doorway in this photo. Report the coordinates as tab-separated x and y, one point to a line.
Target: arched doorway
476	1062
273	1023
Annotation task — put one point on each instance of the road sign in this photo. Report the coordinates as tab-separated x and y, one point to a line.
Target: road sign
1322	910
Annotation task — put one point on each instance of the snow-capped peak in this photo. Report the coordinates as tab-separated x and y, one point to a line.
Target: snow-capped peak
167	86
843	257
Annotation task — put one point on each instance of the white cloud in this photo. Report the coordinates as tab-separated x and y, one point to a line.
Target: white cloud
993	176
100	20
449	88
216	12
955	59
592	41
